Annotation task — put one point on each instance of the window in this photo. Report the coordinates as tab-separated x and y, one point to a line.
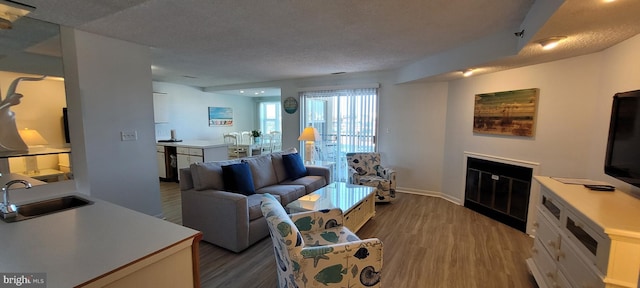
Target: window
346	121
270	117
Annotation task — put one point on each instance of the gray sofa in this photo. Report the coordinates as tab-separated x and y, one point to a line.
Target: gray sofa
234	221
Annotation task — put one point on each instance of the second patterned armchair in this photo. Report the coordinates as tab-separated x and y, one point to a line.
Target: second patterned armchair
365	169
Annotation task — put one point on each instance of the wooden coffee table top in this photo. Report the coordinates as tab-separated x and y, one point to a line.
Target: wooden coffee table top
335	195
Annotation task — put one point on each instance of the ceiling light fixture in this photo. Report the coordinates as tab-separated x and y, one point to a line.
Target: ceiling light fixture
467	73
10	11
551	42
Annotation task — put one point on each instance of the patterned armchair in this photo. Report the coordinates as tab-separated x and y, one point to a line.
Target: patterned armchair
313	249
365	169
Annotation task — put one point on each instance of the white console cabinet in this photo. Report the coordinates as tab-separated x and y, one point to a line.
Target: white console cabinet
585	238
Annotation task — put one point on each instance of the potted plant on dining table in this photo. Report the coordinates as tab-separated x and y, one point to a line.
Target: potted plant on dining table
256	134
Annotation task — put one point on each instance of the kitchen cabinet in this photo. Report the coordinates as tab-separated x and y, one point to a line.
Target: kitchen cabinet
585	238
160	107
161	159
187	156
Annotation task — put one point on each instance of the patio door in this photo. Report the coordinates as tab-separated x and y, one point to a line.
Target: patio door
346	120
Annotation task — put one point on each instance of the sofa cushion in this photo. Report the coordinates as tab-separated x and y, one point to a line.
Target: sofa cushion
287	193
278	166
310	183
294	166
261	170
253	203
238	179
208	175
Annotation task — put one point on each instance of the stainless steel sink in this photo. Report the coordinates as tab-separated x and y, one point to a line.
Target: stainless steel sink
45	207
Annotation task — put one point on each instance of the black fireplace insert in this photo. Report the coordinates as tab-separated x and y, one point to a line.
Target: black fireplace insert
499	191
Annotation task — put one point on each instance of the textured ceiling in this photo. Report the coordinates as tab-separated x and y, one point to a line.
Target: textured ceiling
227	42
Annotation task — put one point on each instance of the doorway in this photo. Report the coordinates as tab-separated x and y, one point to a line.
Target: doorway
346	120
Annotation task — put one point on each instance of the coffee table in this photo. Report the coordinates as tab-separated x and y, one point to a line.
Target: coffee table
357	202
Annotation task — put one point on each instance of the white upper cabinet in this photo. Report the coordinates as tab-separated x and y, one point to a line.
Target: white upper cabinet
160	108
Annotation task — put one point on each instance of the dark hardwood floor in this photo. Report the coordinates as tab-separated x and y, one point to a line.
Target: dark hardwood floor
428	242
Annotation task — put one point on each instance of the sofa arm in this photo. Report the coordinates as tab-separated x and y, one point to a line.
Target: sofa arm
320	171
317	220
353	176
213	211
389	174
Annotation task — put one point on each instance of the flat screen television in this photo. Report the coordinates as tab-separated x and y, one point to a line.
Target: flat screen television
623	146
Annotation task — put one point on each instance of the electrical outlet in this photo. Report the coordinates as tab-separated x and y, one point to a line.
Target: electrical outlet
129	135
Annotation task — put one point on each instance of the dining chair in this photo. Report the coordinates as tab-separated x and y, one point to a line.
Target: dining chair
276	141
234	151
265	144
246	137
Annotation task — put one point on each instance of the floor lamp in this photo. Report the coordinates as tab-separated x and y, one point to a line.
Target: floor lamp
33	139
309	135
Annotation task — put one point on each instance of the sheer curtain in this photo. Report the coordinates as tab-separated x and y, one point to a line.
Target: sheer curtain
270	117
346	120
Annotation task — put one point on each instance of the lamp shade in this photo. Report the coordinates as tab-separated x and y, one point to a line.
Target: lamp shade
32	137
309	134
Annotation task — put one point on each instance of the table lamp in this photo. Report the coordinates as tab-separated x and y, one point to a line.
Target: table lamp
33	139
310	135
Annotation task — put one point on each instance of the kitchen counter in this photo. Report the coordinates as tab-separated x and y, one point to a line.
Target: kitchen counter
202	144
186	153
95	245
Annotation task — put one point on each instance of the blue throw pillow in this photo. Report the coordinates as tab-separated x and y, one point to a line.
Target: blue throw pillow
294	166
237	178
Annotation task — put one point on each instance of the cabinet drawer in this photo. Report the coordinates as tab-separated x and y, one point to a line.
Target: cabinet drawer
160	149
182	150
551	206
548	234
195	151
195	159
562	281
588	242
545	263
575	269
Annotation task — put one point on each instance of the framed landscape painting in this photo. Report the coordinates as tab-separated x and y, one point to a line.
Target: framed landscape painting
510	113
220	116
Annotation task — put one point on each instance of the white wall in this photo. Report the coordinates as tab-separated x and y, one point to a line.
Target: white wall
188	113
572	120
108	85
412	134
430	124
411	125
619	72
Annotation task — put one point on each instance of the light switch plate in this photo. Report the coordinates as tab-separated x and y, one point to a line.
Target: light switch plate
129	135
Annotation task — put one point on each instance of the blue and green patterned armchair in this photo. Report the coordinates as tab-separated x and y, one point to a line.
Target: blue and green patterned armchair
313	249
365	169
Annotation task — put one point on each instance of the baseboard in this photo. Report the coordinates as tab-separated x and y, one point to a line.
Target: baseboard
444	196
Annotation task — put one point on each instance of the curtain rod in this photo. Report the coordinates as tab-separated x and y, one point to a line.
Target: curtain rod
340	87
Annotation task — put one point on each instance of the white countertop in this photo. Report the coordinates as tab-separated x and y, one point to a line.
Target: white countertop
78	245
195	144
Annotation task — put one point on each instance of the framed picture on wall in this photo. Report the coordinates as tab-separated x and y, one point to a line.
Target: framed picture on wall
220	116
510	113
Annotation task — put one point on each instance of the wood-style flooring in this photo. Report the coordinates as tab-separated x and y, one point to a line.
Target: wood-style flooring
428	242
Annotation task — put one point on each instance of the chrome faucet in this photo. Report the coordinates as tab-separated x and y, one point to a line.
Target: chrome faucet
7	209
